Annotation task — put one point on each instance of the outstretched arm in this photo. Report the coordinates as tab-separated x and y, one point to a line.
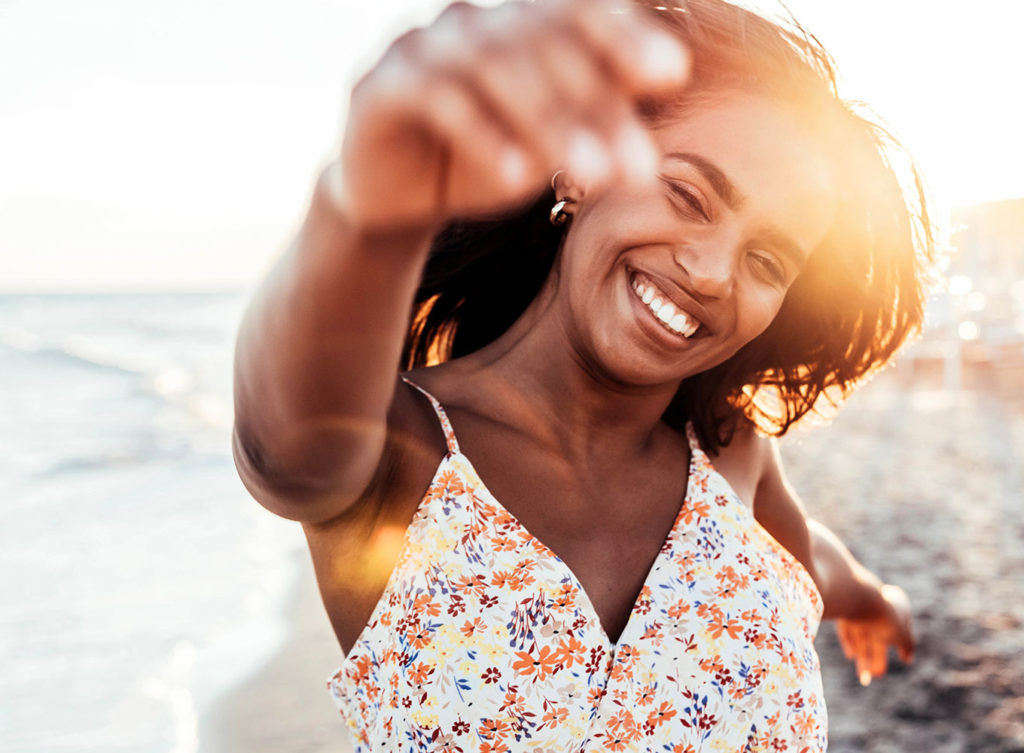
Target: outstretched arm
871	615
456	120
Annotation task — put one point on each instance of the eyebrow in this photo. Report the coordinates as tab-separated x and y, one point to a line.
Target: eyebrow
733	199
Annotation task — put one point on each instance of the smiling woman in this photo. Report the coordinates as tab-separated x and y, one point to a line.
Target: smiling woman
725	244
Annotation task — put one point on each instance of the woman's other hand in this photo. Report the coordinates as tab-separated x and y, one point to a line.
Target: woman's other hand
866	640
473	114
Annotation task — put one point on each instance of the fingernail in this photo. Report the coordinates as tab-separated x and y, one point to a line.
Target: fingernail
512	166
636	153
865	678
663	58
587	156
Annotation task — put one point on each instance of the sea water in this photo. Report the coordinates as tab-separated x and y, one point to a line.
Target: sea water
138	580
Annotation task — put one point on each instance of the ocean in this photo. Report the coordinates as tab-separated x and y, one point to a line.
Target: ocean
139	580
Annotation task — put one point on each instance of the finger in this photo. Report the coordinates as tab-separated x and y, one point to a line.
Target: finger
864	656
648	60
905	640
879	657
482	141
598	102
845	641
492	53
419	112
523	97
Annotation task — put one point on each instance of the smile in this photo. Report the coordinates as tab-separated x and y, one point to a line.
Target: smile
672	318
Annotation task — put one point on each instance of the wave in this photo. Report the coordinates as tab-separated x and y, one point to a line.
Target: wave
29	344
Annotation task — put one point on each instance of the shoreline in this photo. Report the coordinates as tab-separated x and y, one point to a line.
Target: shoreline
284	706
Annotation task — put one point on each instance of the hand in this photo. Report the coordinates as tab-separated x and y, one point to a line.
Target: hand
866	641
474	113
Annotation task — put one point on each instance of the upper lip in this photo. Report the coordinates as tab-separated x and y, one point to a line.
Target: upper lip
679	296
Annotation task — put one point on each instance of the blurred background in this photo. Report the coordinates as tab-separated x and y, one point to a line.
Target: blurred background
154	159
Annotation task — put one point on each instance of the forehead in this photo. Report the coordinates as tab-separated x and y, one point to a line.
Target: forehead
780	170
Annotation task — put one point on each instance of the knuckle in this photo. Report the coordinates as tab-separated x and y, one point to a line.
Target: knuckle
457	12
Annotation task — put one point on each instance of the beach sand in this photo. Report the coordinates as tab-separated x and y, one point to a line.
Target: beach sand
925	487
285	706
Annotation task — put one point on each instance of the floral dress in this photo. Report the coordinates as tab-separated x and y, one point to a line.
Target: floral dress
484	641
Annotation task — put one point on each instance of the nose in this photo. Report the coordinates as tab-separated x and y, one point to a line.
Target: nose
709	266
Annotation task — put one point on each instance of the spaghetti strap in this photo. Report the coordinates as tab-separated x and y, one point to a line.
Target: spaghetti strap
442	417
695	449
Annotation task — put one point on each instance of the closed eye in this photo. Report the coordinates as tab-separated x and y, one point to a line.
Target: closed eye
691	199
770	268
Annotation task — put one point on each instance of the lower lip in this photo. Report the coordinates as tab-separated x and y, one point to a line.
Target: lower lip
651	324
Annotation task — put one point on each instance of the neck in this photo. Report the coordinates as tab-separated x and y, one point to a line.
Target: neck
565	402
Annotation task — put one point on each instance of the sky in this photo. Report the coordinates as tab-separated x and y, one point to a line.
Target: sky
167	145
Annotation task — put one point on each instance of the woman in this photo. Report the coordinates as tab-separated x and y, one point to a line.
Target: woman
725	246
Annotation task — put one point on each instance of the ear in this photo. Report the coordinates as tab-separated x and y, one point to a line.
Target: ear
567	188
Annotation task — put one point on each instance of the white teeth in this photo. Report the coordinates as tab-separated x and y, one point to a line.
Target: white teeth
678	321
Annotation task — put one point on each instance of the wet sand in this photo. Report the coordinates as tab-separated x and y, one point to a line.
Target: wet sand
285	706
927	489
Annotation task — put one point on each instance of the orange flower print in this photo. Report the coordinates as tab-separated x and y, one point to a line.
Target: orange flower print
470	627
505	544
712	665
419	674
697	509
425	604
725	591
622	730
554	717
519	579
645	695
805	723
654	633
594	696
678	609
539	665
449	484
493	729
706	610
661	714
719	624
565	598
571	651
420	638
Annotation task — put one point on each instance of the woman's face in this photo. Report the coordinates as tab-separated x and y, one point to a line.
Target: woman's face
740	200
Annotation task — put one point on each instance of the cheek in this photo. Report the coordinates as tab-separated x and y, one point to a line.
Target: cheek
758	311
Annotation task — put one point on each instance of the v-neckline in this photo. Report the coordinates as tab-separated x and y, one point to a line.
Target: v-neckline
610	645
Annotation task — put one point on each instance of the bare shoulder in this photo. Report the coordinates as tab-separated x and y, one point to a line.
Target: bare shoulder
741	461
753	466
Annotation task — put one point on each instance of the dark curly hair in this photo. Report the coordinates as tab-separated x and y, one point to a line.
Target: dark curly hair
859	297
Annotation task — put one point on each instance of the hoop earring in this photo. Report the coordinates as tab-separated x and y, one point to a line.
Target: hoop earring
558	214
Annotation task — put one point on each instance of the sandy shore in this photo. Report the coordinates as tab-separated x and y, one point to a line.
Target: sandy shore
285	706
925	487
